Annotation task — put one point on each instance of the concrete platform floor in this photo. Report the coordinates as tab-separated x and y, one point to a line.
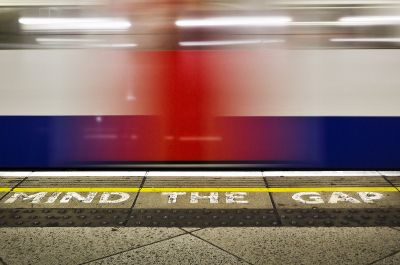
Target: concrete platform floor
140	245
287	243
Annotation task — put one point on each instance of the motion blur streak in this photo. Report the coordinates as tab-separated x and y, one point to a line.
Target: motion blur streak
31	23
366	39
370	20
234	22
284	84
226	42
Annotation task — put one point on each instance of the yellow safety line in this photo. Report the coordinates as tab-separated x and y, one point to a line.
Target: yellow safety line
199	189
280	189
204	189
76	189
332	189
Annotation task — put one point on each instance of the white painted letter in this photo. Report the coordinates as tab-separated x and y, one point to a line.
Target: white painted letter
213	197
36	197
314	197
369	197
342	197
172	196
53	197
232	196
105	197
67	197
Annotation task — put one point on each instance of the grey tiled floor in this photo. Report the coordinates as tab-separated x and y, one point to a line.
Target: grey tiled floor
268	245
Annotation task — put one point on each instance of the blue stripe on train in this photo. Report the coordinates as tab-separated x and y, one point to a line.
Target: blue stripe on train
343	142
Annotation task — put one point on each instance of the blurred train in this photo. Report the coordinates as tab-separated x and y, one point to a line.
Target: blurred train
226	84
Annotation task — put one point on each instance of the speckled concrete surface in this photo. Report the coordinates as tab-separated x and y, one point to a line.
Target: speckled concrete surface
283	245
43	246
391	260
185	249
305	245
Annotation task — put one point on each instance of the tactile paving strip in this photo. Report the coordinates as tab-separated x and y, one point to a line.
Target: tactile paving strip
62	217
203	217
340	217
394	180
95	217
90	181
10	182
204	182
327	181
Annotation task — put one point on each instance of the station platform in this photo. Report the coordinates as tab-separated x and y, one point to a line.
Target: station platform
148	217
